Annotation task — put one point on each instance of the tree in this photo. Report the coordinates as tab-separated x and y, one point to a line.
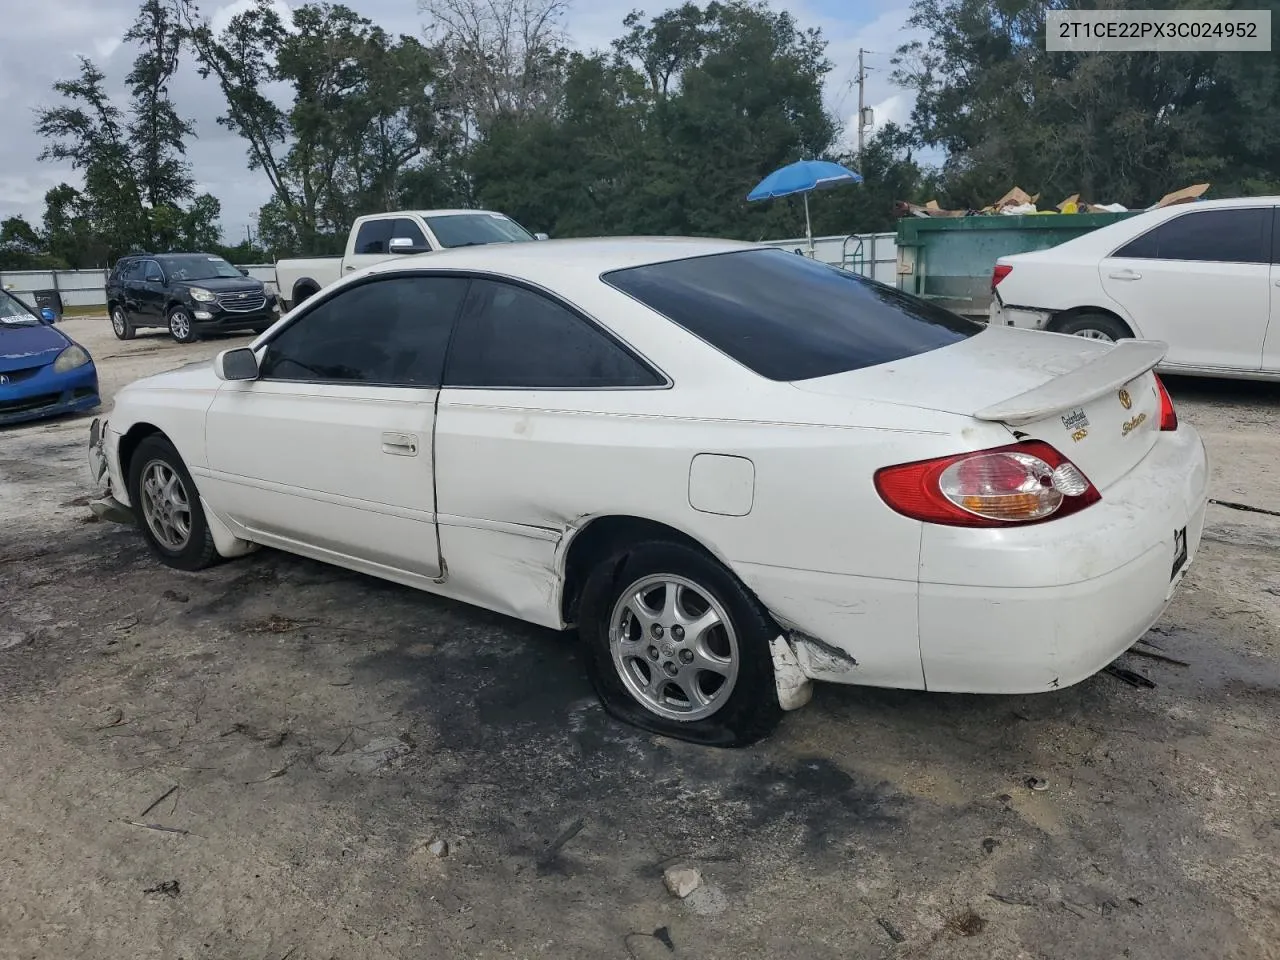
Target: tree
156	131
506	57
669	131
1115	127
361	113
90	133
136	177
889	174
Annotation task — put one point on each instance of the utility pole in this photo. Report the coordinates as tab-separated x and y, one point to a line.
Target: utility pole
863	110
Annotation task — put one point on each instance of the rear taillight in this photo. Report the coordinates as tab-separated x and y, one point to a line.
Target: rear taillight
1001	271
1022	483
1168	415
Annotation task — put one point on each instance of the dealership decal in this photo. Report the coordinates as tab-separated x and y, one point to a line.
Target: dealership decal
1075	419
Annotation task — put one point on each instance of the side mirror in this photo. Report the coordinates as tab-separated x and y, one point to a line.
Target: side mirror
47	315
244	271
541	236
154	278
404	245
238	364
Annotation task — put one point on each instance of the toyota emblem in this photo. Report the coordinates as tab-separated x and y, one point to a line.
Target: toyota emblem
1125	400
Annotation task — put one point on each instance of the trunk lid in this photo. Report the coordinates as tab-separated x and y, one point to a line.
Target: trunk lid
1095	402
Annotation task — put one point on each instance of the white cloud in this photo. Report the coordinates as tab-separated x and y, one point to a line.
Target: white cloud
106	46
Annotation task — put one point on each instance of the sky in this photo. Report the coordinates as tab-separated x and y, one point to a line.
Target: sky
40	48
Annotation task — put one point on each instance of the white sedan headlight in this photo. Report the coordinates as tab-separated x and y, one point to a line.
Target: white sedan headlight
70	358
201	295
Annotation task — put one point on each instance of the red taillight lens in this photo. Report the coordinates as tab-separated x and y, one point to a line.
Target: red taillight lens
1022	483
1001	271
1168	415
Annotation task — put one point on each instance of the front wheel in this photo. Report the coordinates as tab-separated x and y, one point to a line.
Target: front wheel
181	326
167	506
121	326
675	644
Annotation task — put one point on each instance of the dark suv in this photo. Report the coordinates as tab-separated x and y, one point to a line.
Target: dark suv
190	293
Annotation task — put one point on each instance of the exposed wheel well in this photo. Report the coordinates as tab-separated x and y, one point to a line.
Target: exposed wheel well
1060	318
302	289
601	537
129	443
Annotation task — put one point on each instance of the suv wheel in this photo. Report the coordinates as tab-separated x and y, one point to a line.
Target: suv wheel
181	326
121	326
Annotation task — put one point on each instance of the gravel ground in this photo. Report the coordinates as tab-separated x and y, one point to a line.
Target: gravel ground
256	761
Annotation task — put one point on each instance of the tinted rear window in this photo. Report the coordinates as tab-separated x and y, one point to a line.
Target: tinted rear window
788	317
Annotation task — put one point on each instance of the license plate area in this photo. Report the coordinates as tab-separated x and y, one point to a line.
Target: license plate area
1179	552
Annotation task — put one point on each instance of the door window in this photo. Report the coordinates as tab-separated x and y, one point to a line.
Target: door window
374	235
391	331
1207	236
151	272
510	336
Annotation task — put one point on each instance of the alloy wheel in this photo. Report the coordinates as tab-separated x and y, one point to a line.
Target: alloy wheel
166	505
674	647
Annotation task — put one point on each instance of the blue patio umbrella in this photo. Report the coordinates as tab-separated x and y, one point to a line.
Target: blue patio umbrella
803	177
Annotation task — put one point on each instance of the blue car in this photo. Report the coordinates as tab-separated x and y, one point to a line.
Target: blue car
43	372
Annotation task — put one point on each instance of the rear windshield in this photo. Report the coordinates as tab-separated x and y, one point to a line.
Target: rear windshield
475	229
788	317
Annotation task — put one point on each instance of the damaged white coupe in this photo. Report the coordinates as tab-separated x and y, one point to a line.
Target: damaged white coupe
733	469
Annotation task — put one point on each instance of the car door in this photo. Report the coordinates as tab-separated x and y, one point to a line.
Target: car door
133	288
1271	346
1201	282
372	244
151	293
531	387
329	452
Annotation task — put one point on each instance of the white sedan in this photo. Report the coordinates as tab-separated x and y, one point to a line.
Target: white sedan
734	469
1203	277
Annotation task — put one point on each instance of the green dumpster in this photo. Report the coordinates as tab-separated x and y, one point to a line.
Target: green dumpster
950	259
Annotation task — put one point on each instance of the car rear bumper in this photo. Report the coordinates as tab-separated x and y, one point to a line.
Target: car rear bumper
998	315
1012	610
50	395
1043	607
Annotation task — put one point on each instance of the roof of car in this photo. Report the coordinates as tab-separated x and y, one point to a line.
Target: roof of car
589	255
1227	202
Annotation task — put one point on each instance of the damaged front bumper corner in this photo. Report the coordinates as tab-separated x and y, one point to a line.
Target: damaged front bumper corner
103	504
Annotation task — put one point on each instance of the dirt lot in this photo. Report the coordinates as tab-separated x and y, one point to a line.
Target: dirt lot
253	762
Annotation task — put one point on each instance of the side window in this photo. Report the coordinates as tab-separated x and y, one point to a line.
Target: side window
1210	236
405	227
131	270
513	337
373	236
391	331
1143	247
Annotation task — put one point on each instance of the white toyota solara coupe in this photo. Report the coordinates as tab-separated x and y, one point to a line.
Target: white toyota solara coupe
734	469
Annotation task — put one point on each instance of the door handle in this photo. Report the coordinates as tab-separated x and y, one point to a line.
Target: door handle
349	269
400	444
1125	275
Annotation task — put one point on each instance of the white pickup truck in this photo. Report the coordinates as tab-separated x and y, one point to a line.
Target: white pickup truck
381	236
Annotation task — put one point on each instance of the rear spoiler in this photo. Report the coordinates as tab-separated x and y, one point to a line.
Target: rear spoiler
1111	371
